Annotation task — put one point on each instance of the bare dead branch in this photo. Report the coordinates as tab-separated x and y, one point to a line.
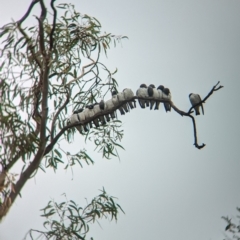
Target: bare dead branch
215	88
182	113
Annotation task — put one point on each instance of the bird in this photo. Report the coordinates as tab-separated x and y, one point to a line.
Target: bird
152	92
91	113
109	106
121	98
97	109
168	96
116	102
87	114
160	96
142	92
74	119
128	94
195	99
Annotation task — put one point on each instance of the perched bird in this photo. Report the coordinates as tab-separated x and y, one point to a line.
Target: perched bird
116	102
108	106
97	109
160	96
167	105
152	92
74	119
91	113
142	92
87	115
195	99
82	117
121	98
128	94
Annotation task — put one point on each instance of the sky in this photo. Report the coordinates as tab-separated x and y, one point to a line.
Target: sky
168	189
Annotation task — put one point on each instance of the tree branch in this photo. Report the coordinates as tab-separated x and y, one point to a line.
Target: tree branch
57	114
215	88
182	113
19	22
54	24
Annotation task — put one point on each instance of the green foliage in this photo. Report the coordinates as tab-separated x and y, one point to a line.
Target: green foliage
233	227
74	73
47	71
66	220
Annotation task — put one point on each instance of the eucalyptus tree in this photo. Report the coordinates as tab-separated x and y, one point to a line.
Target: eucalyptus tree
47	70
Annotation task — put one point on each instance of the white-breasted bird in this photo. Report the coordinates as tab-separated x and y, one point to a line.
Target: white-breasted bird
116	102
92	113
128	94
152	92
142	92
195	99
97	109
160	96
74	119
121	98
86	113
168	95
109	106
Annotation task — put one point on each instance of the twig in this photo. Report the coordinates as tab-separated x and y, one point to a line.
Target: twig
209	94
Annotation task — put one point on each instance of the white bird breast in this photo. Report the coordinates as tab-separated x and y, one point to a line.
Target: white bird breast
194	99
73	119
81	115
120	97
96	109
128	93
160	94
115	100
90	112
155	93
109	104
142	92
85	113
164	96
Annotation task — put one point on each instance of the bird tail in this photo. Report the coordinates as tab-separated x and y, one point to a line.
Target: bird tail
121	111
147	103
130	105
141	103
202	109
157	106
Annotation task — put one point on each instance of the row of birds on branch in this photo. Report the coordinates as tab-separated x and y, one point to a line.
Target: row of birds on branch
123	101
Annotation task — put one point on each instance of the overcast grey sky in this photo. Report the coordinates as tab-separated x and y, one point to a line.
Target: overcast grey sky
168	189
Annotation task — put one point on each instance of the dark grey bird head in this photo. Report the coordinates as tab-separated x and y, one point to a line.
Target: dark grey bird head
143	86
114	93
78	111
161	87
166	91
152	85
90	106
102	105
150	91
